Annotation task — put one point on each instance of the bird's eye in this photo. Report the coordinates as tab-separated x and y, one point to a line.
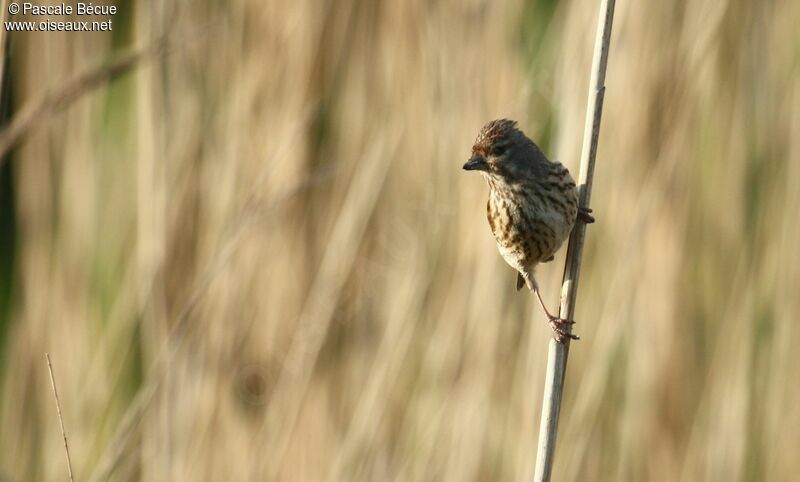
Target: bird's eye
498	150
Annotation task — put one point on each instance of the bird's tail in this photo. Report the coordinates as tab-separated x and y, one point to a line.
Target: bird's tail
522	281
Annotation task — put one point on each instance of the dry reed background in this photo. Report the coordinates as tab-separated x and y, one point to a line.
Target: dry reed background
256	257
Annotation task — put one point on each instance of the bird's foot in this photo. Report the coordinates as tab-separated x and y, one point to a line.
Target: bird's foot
585	215
559	327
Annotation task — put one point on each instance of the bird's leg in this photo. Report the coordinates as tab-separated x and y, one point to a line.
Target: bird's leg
585	215
556	323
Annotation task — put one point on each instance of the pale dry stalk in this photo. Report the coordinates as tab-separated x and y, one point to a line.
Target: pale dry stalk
60	419
558	351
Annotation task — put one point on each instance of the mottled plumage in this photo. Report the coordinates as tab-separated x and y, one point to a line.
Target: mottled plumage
533	202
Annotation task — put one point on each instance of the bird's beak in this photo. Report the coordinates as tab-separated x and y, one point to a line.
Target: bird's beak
476	163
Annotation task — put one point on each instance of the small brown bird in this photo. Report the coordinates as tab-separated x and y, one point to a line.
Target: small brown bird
533	203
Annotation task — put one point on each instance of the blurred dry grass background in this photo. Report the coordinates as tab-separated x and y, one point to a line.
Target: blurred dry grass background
256	258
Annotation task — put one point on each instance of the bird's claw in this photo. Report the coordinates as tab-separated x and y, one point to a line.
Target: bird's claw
560	333
585	215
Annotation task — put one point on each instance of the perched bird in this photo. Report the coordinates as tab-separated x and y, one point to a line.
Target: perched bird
533	203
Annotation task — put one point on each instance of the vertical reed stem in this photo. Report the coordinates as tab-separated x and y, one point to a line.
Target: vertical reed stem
557	353
60	419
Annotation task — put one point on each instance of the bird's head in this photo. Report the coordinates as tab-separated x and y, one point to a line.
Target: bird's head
501	150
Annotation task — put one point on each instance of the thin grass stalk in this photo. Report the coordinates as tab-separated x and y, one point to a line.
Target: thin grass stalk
60	418
34	113
558	351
